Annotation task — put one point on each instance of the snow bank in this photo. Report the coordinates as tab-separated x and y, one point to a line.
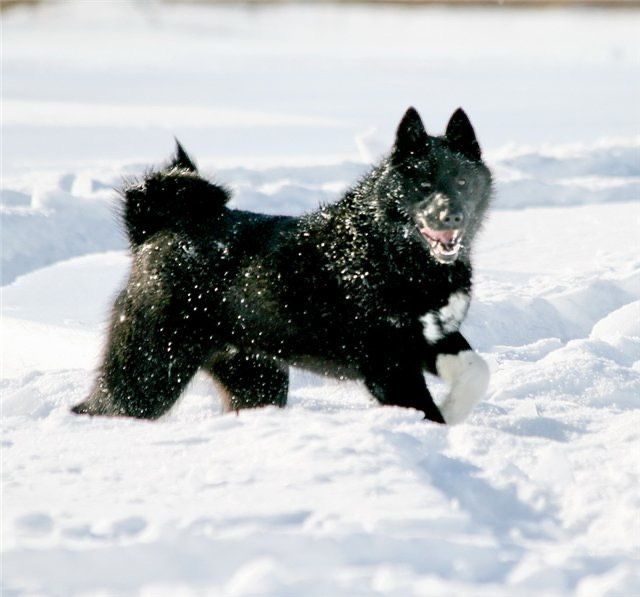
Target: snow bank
47	219
536	493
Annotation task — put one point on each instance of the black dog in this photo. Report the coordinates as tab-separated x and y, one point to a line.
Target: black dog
373	287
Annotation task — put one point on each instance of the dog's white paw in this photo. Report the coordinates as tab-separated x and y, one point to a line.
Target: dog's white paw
467	373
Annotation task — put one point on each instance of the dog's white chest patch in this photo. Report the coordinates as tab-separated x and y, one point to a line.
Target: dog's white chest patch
437	324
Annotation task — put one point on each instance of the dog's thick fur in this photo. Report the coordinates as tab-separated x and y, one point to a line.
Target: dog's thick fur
372	287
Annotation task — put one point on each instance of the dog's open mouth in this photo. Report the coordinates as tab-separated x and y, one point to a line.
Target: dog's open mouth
445	244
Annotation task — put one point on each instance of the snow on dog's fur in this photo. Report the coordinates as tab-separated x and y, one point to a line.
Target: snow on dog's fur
372	287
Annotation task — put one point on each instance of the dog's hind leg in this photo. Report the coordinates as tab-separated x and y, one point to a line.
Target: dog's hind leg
249	380
153	350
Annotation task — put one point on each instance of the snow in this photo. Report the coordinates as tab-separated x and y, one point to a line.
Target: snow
537	493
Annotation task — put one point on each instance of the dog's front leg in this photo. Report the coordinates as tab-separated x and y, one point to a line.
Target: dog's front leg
466	372
402	384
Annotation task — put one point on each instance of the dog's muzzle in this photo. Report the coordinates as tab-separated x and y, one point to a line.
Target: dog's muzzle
443	230
445	245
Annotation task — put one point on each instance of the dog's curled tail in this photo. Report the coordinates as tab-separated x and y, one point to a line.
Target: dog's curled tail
175	198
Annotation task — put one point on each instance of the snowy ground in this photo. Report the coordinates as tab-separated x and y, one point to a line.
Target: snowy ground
536	495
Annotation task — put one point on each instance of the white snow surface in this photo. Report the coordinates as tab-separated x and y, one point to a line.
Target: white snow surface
536	494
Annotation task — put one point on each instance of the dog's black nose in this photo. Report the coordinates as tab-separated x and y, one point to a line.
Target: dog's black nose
452	219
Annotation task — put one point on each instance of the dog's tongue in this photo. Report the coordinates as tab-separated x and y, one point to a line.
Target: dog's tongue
443	236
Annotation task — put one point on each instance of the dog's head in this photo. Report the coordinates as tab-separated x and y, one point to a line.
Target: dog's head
439	185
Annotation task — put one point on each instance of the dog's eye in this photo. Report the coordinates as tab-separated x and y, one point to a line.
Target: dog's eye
425	185
461	182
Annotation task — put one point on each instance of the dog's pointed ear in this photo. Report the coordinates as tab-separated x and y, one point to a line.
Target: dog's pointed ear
411	136
462	137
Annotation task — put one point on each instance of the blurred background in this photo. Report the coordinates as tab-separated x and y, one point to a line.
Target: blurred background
88	80
608	3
